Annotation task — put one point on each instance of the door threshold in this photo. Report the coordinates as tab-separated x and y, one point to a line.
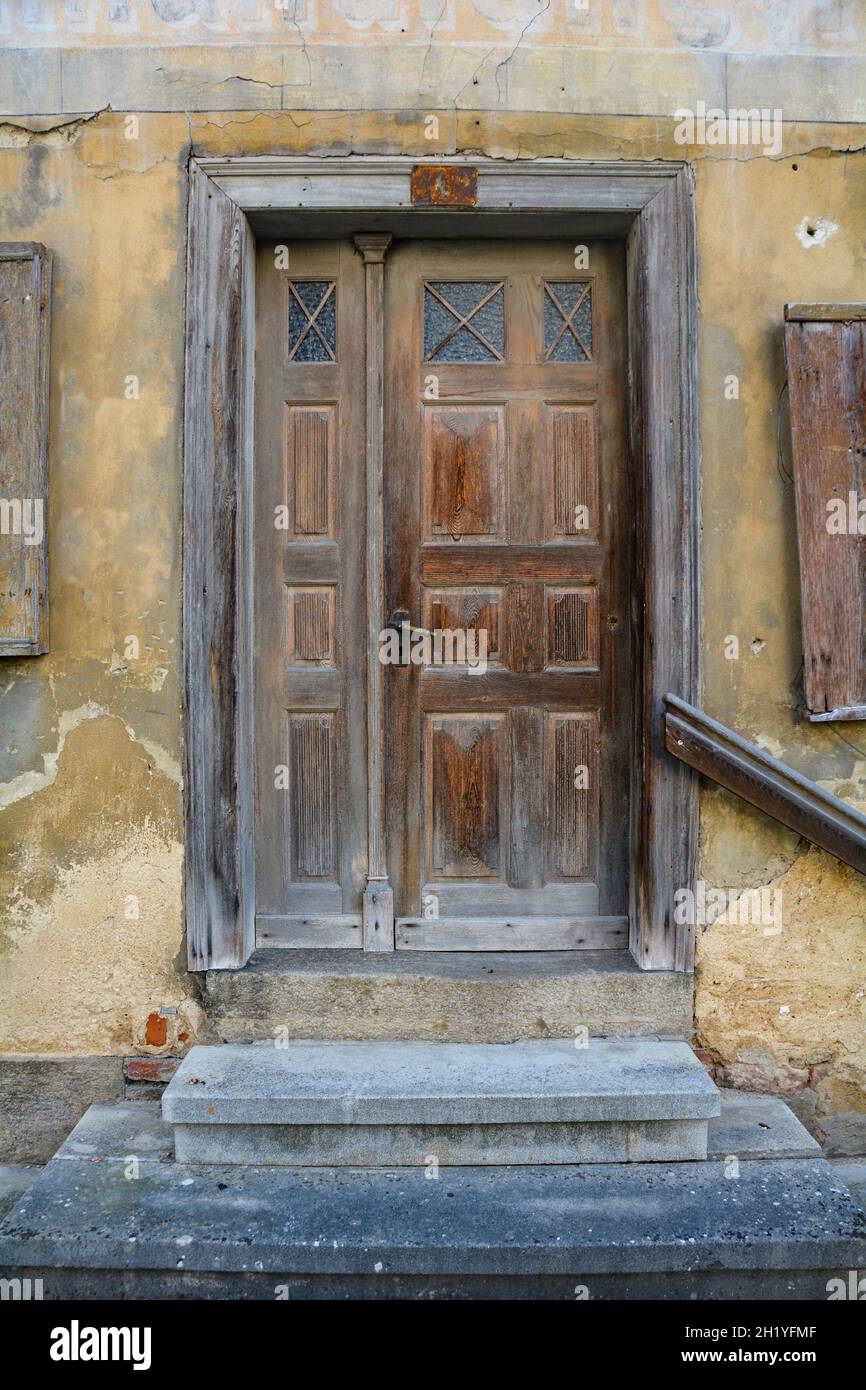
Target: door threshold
468	965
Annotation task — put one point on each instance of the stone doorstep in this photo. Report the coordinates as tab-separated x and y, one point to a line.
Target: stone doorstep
381	1083
381	1103
482	996
670	1230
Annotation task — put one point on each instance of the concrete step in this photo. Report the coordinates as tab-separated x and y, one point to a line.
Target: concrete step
382	1103
445	996
93	1225
756	1126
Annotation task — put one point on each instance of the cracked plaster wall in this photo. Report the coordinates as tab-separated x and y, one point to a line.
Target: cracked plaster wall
90	742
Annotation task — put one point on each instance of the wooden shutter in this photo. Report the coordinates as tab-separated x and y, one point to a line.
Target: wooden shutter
825	348
25	283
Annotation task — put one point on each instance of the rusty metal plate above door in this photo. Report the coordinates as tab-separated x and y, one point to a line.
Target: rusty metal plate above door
444	185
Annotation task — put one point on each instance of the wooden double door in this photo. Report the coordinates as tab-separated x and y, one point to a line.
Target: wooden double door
443	595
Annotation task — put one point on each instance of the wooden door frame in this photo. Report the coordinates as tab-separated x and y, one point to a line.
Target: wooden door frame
652	206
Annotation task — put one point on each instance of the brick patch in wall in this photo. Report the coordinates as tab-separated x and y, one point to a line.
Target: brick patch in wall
145	1078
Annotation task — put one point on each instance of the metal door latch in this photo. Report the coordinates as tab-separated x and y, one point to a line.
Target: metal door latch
399	624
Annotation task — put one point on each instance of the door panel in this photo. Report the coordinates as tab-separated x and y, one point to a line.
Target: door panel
309	584
507	510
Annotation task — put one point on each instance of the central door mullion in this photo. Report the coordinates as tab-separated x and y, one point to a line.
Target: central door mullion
378	904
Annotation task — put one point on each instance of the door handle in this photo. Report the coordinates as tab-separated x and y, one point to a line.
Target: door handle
400	619
400	624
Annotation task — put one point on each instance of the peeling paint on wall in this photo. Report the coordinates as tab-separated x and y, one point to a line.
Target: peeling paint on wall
27	783
91	900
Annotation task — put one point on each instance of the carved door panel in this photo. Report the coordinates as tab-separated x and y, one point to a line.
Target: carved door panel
508	525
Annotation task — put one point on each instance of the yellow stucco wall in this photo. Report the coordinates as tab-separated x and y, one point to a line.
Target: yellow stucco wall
90	739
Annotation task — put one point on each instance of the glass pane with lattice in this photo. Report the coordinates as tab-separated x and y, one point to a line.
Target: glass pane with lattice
312	321
464	321
567	321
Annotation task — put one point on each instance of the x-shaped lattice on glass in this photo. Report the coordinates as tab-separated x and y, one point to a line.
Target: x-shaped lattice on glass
312	321
567	321
464	321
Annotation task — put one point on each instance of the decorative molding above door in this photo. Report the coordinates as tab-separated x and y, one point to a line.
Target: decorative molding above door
231	200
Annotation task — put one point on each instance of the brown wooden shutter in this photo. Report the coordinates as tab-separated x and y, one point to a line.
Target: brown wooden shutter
25	284
825	349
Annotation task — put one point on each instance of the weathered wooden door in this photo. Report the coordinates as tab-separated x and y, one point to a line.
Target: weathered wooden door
506	527
508	523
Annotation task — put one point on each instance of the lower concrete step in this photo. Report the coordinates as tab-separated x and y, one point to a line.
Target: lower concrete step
114	1216
371	1104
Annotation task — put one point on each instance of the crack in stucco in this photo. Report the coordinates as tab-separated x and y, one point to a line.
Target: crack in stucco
255	81
814	152
119	173
505	61
302	36
209	124
437	21
472	76
14	136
